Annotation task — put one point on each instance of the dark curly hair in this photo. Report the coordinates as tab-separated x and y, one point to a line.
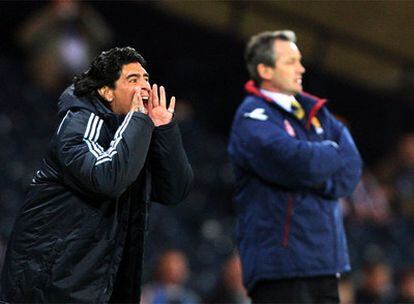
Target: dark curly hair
105	70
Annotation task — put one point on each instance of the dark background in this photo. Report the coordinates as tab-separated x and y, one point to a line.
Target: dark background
203	67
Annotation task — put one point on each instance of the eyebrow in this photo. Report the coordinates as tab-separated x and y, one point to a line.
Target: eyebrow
137	75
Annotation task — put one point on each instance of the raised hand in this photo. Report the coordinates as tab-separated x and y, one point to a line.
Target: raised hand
157	107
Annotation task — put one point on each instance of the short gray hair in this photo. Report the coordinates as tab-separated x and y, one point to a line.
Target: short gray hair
259	49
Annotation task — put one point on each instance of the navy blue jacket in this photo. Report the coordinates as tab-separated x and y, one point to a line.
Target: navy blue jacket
290	174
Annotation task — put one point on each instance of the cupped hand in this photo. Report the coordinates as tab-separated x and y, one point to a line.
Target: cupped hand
157	106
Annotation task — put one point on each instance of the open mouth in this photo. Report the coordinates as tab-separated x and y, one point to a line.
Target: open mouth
145	99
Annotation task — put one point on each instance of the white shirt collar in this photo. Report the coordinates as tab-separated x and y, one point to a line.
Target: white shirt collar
283	100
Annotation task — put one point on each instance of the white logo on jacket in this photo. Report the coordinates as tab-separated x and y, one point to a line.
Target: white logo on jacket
258	114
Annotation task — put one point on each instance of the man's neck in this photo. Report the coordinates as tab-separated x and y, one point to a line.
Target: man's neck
265	85
283	100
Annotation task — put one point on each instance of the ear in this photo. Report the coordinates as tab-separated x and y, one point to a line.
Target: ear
265	72
106	93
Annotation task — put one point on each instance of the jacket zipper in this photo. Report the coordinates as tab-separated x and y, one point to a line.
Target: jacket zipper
288	219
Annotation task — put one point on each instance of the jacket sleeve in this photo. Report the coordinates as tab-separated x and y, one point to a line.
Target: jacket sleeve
266	149
345	179
171	172
88	167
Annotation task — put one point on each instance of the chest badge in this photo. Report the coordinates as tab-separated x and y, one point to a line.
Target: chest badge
289	129
317	125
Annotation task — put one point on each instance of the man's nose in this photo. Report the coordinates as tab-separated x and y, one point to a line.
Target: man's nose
301	69
145	86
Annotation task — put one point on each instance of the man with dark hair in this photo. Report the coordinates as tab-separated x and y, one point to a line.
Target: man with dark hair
80	234
292	161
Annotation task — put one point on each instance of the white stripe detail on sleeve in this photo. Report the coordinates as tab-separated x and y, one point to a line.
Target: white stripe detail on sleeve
91	149
108	154
61	123
93	127
118	136
94	133
88	127
91	137
98	130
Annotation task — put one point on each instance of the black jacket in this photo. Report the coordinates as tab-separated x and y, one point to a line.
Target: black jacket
80	234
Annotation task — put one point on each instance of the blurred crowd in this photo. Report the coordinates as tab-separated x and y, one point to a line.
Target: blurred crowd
191	255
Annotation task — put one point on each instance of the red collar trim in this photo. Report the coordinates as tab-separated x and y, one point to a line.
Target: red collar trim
251	88
319	104
315	109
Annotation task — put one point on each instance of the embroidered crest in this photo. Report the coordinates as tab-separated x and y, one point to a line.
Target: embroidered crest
317	125
289	129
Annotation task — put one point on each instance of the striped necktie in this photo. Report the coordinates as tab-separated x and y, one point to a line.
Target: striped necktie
297	109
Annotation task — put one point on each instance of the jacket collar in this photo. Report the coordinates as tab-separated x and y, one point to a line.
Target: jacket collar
312	104
283	100
68	100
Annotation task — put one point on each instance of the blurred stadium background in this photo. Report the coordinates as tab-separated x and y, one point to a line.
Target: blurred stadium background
360	55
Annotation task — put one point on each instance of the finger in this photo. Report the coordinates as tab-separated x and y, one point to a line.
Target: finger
171	107
135	100
137	104
162	97
149	106
154	94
